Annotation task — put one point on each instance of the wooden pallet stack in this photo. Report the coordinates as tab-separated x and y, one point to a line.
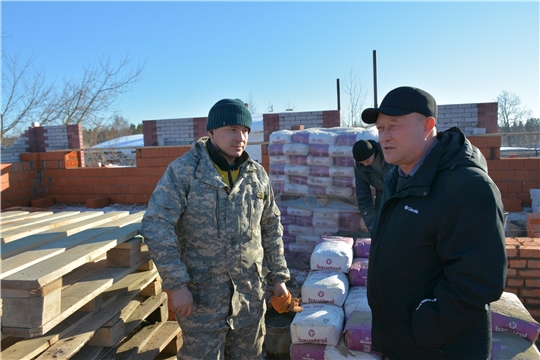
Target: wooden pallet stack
81	285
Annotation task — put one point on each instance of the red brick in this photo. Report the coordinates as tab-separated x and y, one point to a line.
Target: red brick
43	202
96	203
511	204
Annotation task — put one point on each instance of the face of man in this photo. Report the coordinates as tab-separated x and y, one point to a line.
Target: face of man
405	139
368	161
230	140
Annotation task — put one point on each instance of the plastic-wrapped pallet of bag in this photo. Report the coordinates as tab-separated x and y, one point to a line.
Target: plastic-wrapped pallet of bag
333	253
509	315
325	287
328	352
356	301
281	137
318	324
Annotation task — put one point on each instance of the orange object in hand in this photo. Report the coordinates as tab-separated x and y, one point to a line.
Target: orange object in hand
286	303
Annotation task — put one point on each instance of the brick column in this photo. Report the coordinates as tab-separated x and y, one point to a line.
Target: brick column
487	117
150	133
270	124
199	127
331	118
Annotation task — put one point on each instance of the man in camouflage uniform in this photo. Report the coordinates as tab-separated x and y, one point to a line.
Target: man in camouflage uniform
214	233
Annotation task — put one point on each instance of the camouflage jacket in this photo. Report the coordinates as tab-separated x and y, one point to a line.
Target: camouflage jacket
222	243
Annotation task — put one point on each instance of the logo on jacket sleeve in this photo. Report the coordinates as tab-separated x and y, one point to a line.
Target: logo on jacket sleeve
408	208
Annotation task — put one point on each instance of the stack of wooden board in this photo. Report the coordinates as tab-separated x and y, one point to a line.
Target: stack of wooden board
81	285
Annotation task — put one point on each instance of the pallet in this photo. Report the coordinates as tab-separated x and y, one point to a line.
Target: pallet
33	300
25	252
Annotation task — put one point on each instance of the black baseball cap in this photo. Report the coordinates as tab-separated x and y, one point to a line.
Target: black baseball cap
402	101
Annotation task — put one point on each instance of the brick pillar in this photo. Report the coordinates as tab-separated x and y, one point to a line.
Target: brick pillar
331	118
150	133
199	127
487	117
75	136
270	124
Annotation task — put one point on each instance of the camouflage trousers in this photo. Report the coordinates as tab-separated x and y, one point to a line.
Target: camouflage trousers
227	344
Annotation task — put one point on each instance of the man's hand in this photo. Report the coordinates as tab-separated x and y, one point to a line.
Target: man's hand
181	301
280	289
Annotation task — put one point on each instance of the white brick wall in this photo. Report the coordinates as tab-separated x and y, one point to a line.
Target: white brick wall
309	119
175	131
464	116
11	155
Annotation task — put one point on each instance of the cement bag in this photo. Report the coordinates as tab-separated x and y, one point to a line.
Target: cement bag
340	151
341	171
317	324
325	287
293	149
318	136
291	210
333	223
295	189
292	169
338	191
281	137
508	346
307	239
333	253
298	230
299	159
279	179
361	247
298	179
343	182
357	332
345	161
325	231
319	161
320	181
356	301
279	159
358	272
309	351
320	150
509	315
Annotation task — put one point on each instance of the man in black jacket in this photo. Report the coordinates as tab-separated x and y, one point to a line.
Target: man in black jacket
369	171
437	256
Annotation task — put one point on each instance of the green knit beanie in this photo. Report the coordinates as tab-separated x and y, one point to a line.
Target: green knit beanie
228	112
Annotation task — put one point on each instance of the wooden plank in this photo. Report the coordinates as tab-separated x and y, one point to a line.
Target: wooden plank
30	348
131	348
71	299
131	317
32	215
66	348
157	343
36	220
9	236
7	214
53	268
30	250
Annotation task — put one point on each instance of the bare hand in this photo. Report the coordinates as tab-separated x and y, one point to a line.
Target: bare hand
280	289
181	301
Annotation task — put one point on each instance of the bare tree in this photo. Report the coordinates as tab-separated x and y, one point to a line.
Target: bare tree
24	94
357	94
252	104
89	100
511	112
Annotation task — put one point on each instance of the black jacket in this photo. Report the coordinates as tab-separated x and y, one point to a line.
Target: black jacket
441	237
366	176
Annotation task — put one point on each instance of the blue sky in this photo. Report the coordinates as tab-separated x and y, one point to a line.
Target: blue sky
284	54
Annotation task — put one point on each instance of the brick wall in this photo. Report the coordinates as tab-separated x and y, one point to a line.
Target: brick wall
472	119
309	119
523	277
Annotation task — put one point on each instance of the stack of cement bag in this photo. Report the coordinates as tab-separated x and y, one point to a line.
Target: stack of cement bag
336	320
312	174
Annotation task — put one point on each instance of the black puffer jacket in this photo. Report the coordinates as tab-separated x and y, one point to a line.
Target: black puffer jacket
366	176
440	239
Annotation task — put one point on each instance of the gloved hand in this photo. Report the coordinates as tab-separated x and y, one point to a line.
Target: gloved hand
286	303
